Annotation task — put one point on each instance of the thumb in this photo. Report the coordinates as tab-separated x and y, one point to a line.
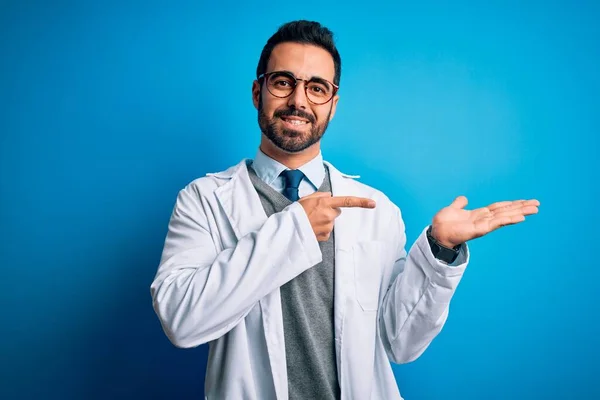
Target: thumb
459	202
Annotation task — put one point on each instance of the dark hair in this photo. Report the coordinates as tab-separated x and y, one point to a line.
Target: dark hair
305	32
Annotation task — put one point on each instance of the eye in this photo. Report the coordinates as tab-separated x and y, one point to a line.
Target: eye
318	89
282	83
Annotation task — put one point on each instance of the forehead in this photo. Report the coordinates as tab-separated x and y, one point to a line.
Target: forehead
304	60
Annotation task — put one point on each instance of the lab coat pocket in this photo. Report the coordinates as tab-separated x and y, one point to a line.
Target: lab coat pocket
369	263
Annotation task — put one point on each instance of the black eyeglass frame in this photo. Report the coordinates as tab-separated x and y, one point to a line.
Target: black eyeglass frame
266	75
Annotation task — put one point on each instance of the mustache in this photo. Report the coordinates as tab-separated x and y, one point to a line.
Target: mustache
294	113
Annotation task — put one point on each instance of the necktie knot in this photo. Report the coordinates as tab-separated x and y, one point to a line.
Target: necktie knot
292	179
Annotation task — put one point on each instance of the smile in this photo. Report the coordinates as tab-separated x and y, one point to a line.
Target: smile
294	121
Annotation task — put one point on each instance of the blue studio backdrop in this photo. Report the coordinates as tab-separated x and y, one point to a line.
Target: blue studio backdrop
107	109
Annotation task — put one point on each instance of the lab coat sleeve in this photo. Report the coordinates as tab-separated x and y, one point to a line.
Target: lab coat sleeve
200	294
415	307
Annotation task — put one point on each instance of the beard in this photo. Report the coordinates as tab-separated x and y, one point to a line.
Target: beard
291	140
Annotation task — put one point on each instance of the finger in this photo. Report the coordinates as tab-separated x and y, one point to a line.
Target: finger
323	237
528	210
324	231
512	204
499	204
350	201
331	214
459	202
481	213
498	222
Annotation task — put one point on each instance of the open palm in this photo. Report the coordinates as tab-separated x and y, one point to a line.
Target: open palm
454	225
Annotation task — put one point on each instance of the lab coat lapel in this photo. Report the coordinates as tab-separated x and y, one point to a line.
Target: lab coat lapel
245	212
240	201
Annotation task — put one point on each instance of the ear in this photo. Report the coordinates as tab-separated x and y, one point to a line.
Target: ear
255	93
334	102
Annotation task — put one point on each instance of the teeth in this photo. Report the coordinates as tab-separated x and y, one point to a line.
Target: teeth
296	122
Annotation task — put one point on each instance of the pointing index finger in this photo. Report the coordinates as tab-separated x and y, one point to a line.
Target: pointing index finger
350	201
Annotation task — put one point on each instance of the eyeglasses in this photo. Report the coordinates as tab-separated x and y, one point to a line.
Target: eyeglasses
282	84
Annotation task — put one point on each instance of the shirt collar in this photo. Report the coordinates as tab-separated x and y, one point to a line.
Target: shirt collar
268	169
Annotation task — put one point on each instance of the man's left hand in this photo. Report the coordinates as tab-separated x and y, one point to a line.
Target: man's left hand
453	225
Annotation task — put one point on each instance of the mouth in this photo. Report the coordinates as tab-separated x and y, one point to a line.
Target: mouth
295	122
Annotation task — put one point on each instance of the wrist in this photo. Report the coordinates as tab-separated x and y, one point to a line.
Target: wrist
442	252
441	239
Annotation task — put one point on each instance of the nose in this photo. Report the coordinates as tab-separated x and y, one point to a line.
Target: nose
298	98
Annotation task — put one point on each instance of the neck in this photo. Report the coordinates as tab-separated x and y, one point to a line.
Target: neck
290	160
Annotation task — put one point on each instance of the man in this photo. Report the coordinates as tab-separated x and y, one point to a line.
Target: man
297	298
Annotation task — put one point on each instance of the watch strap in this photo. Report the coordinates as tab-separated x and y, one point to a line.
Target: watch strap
440	251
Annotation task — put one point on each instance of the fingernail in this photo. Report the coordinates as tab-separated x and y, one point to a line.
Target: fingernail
371	204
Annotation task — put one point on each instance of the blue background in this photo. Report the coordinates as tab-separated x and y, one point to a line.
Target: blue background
107	109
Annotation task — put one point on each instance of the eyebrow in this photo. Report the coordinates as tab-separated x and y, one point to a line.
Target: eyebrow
317	79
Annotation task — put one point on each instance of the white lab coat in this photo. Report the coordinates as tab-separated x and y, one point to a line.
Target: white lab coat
224	261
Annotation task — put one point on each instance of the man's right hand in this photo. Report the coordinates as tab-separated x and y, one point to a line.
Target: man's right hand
322	209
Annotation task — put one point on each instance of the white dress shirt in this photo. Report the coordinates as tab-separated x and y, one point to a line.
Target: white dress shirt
268	170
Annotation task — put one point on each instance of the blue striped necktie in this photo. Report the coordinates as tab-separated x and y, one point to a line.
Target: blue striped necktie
292	179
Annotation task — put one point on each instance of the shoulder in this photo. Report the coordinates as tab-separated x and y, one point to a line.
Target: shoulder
212	181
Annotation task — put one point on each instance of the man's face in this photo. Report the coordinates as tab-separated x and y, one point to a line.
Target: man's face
294	123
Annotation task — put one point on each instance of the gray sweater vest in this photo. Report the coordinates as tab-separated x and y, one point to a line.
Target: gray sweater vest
307	305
